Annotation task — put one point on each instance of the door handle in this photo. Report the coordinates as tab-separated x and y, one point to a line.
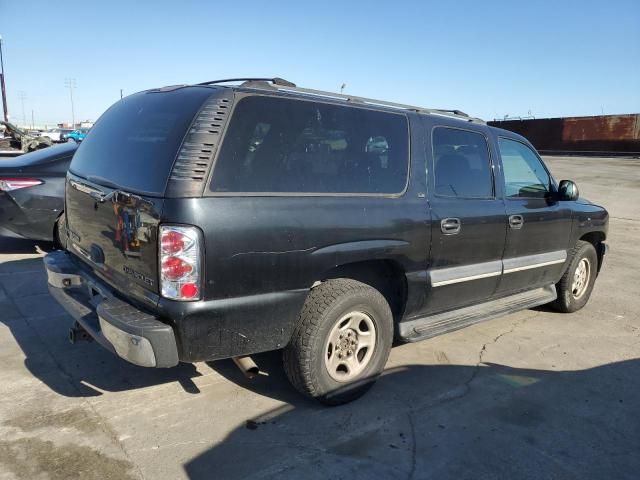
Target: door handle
516	221
450	226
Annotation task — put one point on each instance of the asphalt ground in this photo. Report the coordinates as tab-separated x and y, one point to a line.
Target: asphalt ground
535	394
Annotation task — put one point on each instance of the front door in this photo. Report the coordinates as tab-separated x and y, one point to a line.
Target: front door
468	219
539	226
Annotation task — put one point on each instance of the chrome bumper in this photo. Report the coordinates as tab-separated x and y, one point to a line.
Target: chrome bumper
120	327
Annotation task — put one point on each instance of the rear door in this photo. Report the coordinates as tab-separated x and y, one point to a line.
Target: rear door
539	226
469	223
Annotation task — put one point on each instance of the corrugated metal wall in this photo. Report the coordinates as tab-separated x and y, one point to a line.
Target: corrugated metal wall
618	134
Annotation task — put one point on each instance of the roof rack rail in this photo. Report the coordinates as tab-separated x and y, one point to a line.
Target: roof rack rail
457	112
275	80
460	115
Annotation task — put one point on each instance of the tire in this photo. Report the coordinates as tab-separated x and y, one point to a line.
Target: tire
572	293
336	314
60	232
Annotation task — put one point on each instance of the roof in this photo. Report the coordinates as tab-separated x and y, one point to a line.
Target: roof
280	85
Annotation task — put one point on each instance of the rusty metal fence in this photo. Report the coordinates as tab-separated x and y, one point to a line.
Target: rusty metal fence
604	134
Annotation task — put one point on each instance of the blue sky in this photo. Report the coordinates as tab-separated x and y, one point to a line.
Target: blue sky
488	58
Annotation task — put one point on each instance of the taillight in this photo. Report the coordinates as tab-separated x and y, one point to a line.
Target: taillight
180	259
9	184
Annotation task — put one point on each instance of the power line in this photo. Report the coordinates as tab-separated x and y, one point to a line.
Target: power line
70	83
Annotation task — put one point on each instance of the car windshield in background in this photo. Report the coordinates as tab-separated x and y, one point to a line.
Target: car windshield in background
288	146
134	143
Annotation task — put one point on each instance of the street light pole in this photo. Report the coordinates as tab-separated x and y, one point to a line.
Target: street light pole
70	83
4	90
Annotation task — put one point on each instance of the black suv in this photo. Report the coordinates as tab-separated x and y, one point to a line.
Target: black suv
231	219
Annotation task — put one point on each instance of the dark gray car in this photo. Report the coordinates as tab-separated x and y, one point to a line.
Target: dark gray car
32	192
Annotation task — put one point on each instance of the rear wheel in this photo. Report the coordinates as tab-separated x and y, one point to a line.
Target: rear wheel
576	285
60	232
341	343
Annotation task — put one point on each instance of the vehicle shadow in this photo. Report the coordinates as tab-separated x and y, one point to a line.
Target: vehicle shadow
447	421
16	245
271	383
40	327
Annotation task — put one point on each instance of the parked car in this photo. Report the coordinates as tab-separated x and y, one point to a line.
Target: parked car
32	192
76	135
57	135
231	220
53	134
18	141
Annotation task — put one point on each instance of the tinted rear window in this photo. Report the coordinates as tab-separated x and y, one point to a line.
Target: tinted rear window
462	165
281	145
134	143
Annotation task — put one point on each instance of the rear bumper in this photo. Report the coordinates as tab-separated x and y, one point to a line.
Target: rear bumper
118	326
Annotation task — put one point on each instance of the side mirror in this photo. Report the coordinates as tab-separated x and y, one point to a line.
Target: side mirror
567	190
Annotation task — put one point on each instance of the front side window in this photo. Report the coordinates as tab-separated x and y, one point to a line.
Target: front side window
462	165
524	173
279	145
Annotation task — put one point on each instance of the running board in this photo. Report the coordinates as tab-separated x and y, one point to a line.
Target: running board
434	325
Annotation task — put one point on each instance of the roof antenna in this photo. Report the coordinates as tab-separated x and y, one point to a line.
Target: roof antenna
342	87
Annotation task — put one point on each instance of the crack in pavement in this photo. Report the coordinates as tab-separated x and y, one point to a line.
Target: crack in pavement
414	446
483	351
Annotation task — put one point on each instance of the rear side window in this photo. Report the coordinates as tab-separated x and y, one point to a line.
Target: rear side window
524	174
462	165
135	142
278	145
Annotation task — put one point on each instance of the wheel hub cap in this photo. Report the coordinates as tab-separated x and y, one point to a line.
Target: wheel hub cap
581	278
350	346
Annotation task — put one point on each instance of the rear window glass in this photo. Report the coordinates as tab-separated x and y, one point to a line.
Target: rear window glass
134	143
280	145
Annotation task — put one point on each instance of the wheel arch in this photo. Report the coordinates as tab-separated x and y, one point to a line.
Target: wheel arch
596	238
385	275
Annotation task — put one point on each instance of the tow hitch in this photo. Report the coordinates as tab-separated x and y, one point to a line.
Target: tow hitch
78	334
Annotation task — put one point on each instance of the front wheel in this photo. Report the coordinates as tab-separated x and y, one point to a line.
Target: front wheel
341	343
576	285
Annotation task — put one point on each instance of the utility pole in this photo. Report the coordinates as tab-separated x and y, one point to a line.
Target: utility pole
120	94
23	97
70	83
2	87
32	122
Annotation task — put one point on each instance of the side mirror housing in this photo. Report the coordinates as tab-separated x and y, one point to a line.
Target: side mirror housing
568	190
